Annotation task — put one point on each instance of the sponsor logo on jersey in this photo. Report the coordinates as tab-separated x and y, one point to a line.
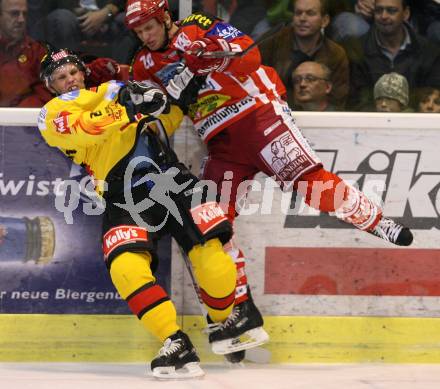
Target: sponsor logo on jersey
411	195
118	236
182	41
286	157
222	115
168	72
207	104
69	96
207	216
200	20
225	31
61	123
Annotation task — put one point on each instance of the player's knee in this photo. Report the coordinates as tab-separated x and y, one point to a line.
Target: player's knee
211	258
129	271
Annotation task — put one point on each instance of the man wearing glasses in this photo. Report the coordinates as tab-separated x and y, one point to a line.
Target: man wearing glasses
312	87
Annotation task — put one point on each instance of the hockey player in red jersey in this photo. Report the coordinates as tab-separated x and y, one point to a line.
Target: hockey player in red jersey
238	111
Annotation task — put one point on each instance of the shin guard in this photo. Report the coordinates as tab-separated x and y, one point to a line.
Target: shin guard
132	277
216	275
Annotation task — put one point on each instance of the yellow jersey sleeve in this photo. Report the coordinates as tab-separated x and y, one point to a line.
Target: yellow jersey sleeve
83	118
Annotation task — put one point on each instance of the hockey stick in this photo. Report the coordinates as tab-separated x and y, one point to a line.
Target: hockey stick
255	354
235	54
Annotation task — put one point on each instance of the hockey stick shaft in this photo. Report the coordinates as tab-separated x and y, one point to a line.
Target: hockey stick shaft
194	282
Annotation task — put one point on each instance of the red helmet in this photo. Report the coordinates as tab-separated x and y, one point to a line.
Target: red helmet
141	11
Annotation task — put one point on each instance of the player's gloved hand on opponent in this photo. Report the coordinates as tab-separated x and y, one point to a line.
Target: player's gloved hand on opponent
143	98
102	70
184	88
201	64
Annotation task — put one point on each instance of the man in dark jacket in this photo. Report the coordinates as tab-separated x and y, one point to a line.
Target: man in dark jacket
391	46
304	41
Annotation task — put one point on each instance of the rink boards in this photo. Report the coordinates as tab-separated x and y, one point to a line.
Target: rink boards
328	293
299	339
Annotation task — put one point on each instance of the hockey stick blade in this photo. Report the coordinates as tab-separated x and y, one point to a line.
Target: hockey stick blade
235	54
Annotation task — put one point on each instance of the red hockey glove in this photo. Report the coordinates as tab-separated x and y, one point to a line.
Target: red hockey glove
102	70
200	65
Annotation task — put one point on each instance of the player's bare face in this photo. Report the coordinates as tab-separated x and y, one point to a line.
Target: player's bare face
67	78
307	18
152	34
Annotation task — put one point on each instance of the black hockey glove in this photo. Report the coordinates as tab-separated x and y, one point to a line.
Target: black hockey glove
141	98
184	88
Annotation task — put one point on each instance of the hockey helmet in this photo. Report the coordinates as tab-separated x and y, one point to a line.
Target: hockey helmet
56	58
141	11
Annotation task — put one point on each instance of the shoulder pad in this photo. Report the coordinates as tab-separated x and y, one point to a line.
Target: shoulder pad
204	21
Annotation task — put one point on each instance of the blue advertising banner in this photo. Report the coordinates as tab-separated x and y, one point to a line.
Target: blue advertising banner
47	265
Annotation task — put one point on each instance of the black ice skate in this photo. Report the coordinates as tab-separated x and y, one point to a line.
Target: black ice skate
177	359
242	330
236	357
393	232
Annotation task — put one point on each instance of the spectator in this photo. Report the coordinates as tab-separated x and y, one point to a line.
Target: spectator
304	41
20	57
427	18
391	45
71	22
311	87
391	93
428	100
353	24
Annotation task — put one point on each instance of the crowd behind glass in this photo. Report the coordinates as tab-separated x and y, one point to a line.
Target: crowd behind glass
364	55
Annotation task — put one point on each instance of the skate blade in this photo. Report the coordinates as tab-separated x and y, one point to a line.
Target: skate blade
190	370
258	355
248	340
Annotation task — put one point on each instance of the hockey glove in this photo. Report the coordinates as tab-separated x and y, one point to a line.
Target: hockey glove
184	88
201	65
102	70
143	99
179	83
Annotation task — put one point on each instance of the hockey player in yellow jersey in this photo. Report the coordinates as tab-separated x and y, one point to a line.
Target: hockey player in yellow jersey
118	128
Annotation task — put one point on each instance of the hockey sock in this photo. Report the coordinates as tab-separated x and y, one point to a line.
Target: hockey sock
240	262
327	192
216	275
132	277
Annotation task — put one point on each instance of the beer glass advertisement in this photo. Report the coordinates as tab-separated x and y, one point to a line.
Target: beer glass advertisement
50	263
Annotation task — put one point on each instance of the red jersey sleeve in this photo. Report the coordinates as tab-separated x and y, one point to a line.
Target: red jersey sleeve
198	26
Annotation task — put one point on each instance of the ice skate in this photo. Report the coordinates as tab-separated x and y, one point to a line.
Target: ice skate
177	359
393	232
242	330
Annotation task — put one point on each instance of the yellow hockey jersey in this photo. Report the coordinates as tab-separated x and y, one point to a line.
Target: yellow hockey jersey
93	129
